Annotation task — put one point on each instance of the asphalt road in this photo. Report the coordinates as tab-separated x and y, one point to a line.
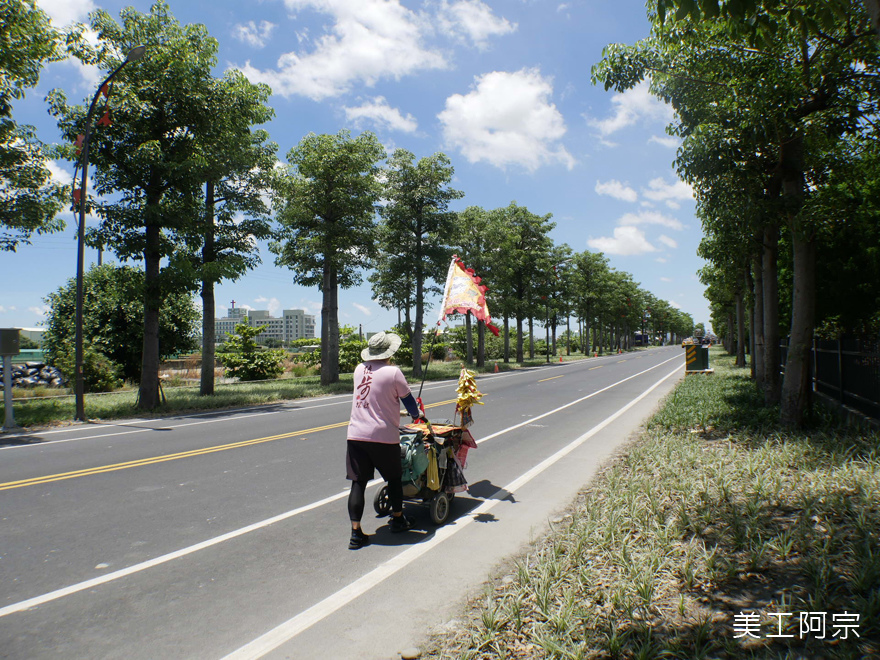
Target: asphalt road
225	534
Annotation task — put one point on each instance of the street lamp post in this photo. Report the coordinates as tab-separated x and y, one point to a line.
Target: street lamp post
79	388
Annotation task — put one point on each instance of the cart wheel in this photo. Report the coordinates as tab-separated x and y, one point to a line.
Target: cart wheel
381	502
440	508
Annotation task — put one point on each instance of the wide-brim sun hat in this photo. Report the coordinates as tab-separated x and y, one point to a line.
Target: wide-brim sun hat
381	346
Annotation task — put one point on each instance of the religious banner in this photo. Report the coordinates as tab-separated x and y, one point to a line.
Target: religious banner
464	294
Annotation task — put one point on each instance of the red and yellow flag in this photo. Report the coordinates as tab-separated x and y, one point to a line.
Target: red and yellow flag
465	295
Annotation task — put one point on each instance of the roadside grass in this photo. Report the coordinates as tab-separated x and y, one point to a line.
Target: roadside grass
713	514
39	406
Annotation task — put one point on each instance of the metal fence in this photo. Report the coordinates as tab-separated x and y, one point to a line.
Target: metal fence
846	370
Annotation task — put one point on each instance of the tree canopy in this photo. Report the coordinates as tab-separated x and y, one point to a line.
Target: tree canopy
29	199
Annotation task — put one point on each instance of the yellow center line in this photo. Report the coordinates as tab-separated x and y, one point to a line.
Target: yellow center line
9	485
599	367
619	361
546	379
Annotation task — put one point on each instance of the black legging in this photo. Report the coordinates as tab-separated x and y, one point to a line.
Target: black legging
356	498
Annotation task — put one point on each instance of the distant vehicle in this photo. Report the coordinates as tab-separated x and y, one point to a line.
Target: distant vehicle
687	342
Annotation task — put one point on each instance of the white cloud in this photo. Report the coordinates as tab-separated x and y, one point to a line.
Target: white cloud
381	114
617	190
660	191
630	107
649	218
661	260
2	309
665	140
59	174
668	242
507	119
627	241
39	311
666	279
472	19
312	307
65	12
675	304
363	309
369	40
273	304
253	34
89	75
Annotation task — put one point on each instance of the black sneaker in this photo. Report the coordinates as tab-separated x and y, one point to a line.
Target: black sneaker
401	523
358	539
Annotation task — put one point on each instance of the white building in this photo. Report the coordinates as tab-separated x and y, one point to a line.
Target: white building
293	324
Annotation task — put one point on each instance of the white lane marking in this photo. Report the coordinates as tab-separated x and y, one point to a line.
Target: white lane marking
576	401
150	563
283	633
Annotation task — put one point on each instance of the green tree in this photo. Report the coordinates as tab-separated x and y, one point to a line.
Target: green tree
246	360
238	164
100	374
526	245
326	208
819	79
148	156
29	199
418	227
111	319
477	242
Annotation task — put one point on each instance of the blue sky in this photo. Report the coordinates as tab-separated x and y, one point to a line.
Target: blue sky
502	87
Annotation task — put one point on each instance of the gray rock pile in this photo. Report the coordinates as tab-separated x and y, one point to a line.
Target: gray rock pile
31	374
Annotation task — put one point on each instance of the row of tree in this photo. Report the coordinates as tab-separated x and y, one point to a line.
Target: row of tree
187	182
776	102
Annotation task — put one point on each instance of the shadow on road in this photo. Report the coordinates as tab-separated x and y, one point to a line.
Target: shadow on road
424	529
19	440
486	490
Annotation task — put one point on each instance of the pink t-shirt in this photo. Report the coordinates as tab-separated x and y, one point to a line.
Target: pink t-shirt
375	407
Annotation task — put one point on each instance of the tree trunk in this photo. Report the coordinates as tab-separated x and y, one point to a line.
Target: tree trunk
740	330
206	379
771	315
506	339
553	335
519	339
797	385
330	327
148	393
417	331
758	288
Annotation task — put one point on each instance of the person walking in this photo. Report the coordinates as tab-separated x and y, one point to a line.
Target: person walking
373	432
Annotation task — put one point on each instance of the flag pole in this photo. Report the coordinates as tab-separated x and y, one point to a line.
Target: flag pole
428	363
